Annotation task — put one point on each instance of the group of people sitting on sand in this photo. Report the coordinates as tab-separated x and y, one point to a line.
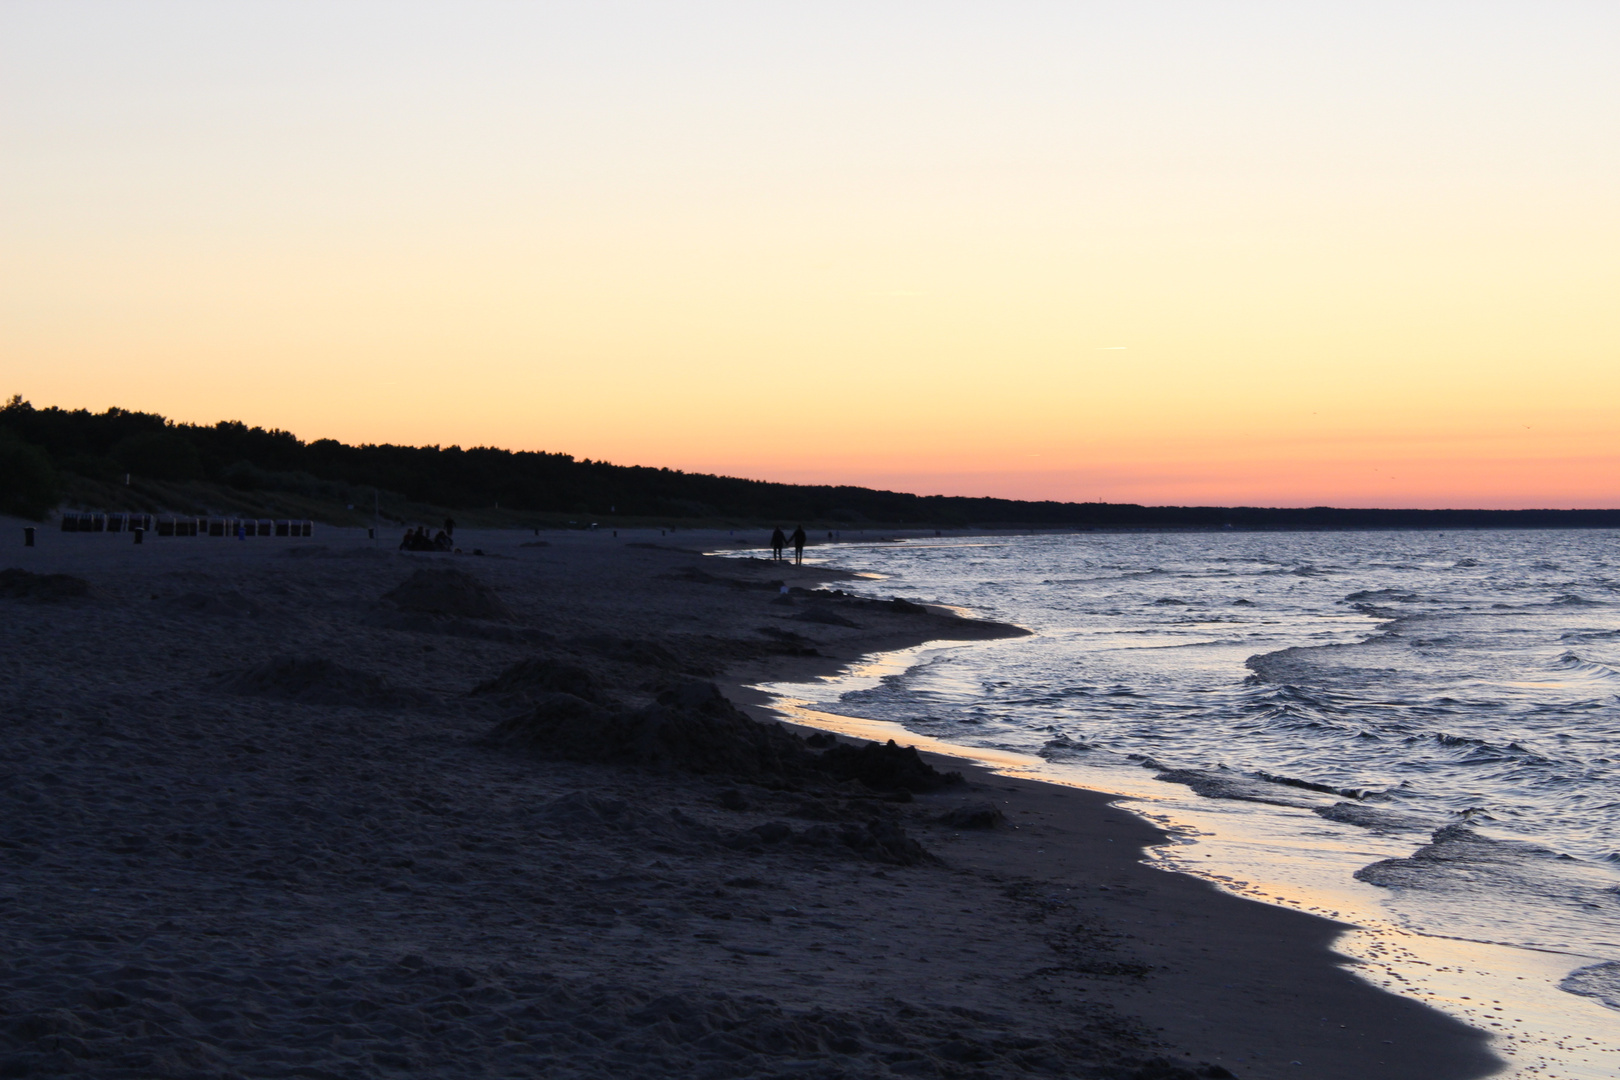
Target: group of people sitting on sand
417	539
798	539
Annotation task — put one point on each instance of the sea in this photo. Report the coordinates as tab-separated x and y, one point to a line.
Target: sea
1415	733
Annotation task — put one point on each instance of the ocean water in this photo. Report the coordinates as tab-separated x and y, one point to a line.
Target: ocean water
1416	732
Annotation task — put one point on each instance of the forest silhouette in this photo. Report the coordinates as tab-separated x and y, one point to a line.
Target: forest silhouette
43	451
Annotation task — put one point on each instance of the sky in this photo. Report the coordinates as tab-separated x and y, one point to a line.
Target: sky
1356	254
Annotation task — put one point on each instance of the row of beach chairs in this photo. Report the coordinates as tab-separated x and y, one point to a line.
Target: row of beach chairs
185	526
105	522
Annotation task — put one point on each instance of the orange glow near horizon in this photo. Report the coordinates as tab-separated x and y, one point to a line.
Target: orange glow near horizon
1259	256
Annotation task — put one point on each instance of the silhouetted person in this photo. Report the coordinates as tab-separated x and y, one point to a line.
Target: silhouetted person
450	527
798	545
778	542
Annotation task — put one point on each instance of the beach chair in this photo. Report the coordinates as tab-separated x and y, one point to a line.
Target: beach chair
216	526
267	527
283	528
166	526
70	522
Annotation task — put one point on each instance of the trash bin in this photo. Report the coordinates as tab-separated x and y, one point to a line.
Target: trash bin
28	536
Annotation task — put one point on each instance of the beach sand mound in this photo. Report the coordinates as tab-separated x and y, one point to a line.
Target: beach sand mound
878	839
17	584
634	651
695	729
692	728
312	680
827	617
886	767
529	679
559	725
447	591
981	814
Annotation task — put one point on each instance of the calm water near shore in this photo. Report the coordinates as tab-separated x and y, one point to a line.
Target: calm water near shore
1308	711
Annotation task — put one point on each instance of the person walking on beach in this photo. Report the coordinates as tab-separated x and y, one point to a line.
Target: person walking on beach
778	542
798	546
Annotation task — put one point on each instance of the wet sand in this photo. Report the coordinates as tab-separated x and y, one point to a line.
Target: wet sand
252	824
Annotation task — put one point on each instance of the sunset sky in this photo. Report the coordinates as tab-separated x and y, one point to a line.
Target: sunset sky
1362	254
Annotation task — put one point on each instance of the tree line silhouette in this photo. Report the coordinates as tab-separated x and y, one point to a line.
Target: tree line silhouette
42	449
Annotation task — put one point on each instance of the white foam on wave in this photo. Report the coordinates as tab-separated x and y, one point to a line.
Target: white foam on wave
1601	981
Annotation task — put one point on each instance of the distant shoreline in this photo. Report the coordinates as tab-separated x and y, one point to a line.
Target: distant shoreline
123	460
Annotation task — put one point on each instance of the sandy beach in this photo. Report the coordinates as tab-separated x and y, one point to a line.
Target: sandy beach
319	808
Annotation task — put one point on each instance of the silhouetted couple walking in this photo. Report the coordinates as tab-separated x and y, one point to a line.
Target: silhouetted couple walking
778	542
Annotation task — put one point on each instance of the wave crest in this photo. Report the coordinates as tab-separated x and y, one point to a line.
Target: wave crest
1600	981
1574	661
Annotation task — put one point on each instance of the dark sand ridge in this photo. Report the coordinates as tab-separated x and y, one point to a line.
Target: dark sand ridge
252	824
